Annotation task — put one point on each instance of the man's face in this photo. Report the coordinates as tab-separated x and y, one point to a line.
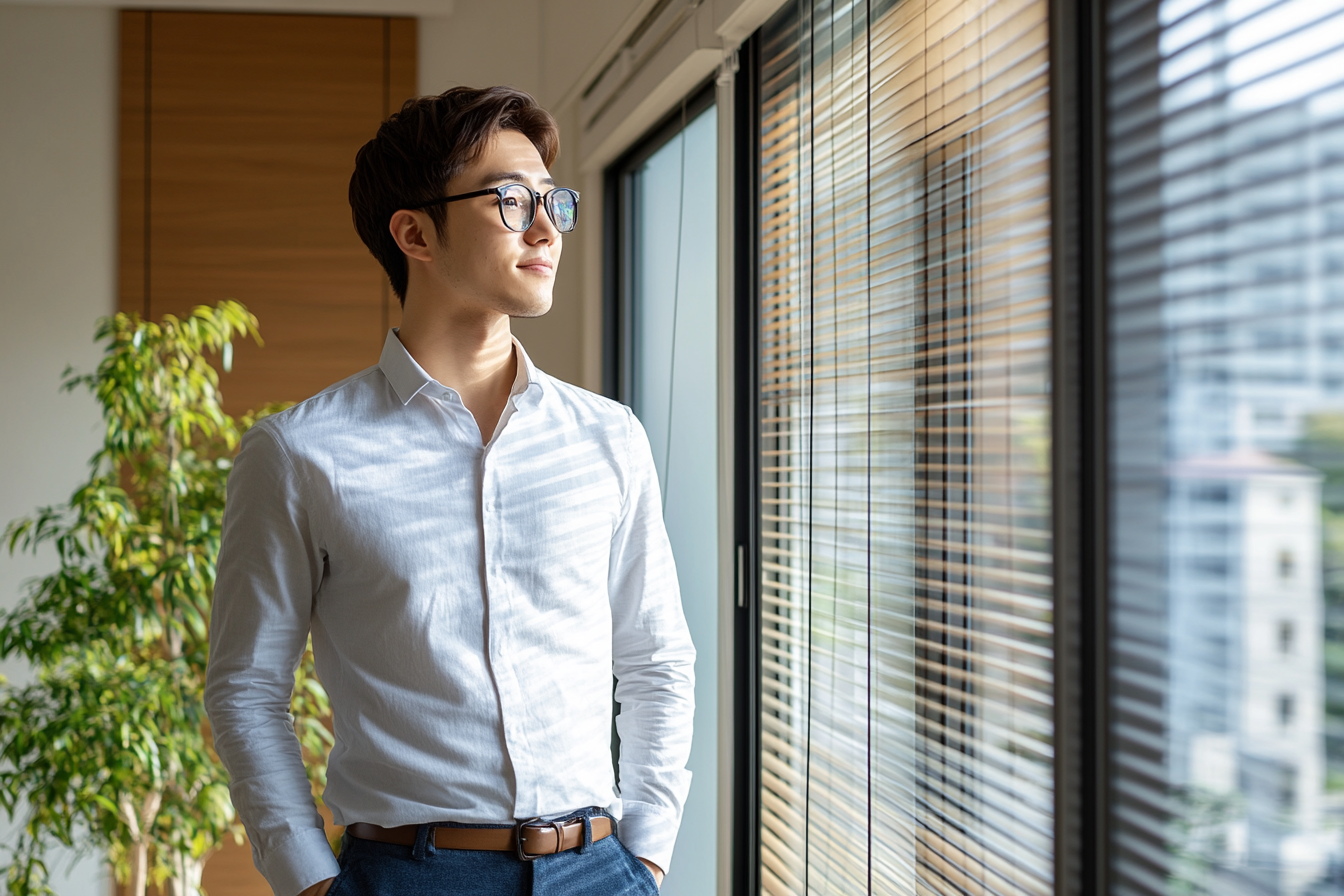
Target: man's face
484	262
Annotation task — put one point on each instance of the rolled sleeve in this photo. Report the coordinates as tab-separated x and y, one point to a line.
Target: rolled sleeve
654	662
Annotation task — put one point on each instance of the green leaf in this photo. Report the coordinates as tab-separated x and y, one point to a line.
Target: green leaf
118	633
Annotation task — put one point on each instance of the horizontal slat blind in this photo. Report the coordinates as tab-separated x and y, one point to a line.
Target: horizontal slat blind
1226	220
906	734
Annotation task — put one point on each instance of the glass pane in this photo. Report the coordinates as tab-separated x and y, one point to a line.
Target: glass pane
906	631
675	395
1227	403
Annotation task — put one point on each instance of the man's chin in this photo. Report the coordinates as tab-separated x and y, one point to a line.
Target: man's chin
531	308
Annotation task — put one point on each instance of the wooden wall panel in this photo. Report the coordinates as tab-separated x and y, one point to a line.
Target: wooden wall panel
238	137
254	121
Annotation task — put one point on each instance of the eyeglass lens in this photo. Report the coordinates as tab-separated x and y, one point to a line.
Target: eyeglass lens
563	206
517	207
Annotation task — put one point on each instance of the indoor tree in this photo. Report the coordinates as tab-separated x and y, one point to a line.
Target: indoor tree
109	747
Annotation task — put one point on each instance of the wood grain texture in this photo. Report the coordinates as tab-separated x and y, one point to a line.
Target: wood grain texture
253	124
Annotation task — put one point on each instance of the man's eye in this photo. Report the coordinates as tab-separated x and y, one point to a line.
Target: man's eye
509	202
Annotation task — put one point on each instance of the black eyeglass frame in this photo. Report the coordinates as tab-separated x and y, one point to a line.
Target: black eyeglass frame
538	201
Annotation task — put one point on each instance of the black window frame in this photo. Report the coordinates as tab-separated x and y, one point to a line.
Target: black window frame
746	452
1080	440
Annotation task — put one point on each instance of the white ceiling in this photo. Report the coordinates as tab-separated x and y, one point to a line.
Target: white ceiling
361	7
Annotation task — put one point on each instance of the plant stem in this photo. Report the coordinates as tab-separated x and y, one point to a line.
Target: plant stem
172	525
139	823
186	877
139	869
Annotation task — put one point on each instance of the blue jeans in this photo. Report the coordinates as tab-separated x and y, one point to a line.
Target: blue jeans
604	868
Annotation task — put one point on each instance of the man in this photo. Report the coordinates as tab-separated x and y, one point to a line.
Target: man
476	548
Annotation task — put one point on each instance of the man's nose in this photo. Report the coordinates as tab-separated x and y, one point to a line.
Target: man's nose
542	230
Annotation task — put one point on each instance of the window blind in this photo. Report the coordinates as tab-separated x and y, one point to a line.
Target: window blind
1226	247
906	592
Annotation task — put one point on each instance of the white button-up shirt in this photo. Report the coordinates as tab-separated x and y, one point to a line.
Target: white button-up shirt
468	606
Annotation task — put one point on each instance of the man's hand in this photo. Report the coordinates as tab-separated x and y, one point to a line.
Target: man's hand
321	887
657	872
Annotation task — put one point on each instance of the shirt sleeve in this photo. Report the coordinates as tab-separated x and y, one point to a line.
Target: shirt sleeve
270	566
654	664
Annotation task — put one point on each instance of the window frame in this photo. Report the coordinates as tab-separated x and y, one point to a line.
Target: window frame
746	450
618	299
1080	439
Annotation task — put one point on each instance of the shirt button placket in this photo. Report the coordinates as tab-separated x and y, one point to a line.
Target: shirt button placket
496	597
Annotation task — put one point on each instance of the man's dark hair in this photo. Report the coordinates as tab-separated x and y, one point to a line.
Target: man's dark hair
417	151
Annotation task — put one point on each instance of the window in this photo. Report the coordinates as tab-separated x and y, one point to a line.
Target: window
665	366
1225	128
1211	494
905	552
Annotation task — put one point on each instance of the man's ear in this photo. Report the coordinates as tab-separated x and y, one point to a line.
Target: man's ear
414	233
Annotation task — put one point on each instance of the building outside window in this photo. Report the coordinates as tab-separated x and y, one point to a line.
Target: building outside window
1226	154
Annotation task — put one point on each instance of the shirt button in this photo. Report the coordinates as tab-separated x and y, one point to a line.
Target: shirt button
446	396
489	506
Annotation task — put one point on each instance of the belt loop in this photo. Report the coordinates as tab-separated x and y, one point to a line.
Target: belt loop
587	832
424	842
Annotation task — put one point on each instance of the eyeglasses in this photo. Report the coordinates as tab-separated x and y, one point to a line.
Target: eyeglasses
518	205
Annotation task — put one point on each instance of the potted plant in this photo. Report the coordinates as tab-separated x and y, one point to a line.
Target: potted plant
109	747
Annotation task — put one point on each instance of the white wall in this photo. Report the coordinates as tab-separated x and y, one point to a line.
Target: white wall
482	44
58	77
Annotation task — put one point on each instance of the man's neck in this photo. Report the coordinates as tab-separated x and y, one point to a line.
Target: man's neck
471	354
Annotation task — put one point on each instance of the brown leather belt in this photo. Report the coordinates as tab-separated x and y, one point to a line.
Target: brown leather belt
529	839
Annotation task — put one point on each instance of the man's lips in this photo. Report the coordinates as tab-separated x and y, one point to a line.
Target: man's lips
538	265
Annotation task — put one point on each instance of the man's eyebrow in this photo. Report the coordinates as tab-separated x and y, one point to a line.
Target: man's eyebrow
512	177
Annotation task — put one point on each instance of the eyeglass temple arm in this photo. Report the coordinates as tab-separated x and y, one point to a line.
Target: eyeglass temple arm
486	192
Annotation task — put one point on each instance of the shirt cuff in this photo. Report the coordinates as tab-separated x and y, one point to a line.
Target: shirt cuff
299	862
649	836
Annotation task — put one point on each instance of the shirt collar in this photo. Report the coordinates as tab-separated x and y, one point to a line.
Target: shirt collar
408	378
